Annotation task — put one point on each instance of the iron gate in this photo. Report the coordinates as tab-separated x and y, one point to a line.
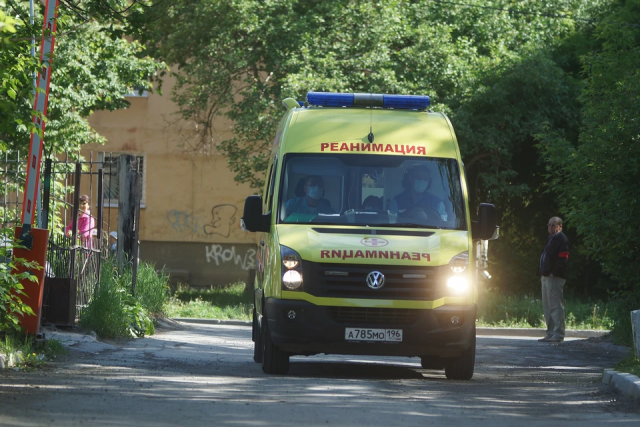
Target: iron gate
74	256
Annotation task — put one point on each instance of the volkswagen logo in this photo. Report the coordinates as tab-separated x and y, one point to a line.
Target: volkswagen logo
374	242
375	280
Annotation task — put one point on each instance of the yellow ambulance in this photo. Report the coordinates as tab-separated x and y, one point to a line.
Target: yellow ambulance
365	236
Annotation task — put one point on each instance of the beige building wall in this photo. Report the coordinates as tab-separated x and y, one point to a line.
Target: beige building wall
190	219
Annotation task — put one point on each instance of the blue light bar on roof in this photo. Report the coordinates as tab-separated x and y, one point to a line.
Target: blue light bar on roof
328	99
404	102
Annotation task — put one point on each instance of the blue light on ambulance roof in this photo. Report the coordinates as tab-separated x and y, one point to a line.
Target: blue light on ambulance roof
404	102
328	99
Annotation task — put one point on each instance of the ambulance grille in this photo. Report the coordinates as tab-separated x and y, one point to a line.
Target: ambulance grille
375	316
349	281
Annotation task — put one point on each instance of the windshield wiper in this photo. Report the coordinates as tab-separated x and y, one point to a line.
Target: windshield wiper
408	225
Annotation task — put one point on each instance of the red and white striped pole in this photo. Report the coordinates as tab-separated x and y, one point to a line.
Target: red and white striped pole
40	111
33	239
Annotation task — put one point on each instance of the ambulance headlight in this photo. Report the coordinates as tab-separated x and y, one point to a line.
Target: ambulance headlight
292	279
458	285
290	261
291	269
460	262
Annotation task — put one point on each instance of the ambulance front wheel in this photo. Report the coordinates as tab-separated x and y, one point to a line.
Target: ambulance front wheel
274	360
461	367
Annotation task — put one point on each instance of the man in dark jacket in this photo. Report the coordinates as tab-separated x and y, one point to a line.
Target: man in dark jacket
553	269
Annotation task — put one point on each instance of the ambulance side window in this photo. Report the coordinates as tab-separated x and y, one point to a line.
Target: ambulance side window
271	186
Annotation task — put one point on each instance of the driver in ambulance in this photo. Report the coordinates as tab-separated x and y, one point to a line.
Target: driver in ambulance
312	202
416	201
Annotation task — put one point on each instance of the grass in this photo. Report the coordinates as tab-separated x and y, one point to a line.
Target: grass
114	312
630	365
498	310
32	354
495	310
225	303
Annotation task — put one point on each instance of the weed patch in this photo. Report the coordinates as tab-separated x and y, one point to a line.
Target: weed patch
114	313
498	310
11	288
630	365
22	351
225	303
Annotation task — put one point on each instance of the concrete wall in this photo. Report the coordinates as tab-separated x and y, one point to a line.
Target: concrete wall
192	203
201	264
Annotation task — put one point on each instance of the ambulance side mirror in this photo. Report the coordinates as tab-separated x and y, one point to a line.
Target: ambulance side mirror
252	219
486	228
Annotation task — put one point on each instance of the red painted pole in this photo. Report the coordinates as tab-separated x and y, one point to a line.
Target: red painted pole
40	112
33	239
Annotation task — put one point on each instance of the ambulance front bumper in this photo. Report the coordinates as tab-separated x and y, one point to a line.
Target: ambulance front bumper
301	327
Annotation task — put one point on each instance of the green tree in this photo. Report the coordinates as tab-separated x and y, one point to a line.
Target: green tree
16	65
241	58
499	70
94	67
596	177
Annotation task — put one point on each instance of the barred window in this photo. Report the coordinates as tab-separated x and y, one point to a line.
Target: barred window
109	164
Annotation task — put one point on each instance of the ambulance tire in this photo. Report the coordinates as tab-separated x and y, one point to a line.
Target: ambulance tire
461	367
274	360
256	336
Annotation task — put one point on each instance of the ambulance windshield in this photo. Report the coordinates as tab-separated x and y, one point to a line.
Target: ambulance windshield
372	190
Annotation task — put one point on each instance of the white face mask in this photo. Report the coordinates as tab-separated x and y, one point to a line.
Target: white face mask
315	192
419	186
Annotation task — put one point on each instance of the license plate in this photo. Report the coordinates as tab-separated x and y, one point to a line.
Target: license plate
366	334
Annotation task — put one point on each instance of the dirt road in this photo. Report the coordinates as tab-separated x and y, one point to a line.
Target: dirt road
196	375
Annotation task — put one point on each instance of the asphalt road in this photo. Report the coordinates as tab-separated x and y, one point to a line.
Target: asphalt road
200	375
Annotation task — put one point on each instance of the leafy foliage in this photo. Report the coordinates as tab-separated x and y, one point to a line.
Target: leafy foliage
498	74
16	66
93	69
597	174
114	312
241	58
10	287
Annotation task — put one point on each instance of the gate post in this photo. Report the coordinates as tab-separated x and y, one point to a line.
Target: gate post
74	220
100	213
127	201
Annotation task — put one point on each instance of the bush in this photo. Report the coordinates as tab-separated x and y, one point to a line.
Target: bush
152	288
10	287
623	304
114	313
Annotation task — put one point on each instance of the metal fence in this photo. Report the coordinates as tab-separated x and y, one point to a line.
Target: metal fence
75	253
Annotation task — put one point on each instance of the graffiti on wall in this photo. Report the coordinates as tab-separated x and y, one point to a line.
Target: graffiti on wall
222	218
222	256
183	222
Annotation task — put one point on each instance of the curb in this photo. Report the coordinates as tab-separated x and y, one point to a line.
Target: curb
539	332
212	321
503	332
627	384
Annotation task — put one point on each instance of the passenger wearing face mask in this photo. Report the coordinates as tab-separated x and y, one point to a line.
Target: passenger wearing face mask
416	200
312	202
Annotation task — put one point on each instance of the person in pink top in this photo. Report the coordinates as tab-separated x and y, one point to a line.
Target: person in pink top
86	223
